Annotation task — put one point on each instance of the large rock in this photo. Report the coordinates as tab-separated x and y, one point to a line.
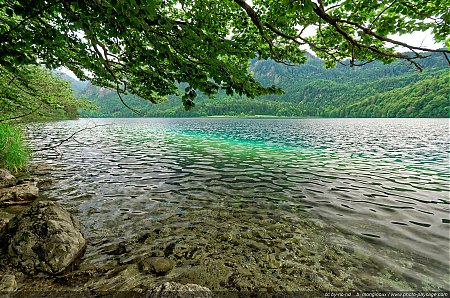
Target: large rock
19	194
177	290
44	238
6	179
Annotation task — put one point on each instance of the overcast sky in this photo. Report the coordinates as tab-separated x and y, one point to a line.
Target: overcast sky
423	39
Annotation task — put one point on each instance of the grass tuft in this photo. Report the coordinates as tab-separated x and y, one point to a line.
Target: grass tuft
14	152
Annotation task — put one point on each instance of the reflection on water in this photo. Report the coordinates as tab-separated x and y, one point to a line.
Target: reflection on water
379	186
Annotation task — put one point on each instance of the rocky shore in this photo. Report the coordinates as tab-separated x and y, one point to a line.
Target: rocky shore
218	252
41	246
13	192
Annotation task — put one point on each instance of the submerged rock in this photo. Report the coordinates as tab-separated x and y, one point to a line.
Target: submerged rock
3	222
177	290
40	182
6	179
44	238
157	265
19	194
7	283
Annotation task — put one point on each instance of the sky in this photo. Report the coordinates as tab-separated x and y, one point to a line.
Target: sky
424	39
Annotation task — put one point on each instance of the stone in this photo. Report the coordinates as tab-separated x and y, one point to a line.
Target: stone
19	194
40	182
44	238
119	278
177	290
157	265
115	249
6	179
7	283
348	249
3	222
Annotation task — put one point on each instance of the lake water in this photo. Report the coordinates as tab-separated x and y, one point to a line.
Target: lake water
248	204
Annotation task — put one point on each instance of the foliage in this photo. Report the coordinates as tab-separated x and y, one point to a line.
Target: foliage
30	93
425	98
13	151
33	93
373	90
76	85
148	47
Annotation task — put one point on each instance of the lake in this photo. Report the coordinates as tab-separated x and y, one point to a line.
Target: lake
275	204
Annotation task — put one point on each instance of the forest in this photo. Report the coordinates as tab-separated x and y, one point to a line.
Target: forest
310	90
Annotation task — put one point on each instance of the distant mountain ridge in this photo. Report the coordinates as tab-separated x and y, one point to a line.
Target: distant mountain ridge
77	85
373	90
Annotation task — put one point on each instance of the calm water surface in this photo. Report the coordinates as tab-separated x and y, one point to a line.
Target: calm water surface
379	187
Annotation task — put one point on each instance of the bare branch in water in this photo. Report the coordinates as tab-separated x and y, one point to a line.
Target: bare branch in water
72	136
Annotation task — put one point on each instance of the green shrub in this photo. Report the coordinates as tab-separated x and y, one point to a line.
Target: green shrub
14	152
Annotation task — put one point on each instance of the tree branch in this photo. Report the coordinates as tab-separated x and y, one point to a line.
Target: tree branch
256	20
39	12
53	147
322	14
386	39
124	103
21	116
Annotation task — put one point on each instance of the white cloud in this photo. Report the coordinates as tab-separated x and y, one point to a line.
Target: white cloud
419	39
67	72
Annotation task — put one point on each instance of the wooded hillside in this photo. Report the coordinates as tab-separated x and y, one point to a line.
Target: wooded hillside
373	90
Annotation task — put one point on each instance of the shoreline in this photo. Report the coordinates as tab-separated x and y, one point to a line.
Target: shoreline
253	117
132	264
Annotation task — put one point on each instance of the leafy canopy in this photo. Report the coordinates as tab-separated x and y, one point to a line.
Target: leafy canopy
148	47
33	93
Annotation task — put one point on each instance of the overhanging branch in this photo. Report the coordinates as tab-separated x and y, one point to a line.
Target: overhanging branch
53	147
334	22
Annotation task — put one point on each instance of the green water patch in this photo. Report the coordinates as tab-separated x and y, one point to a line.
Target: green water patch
229	143
222	139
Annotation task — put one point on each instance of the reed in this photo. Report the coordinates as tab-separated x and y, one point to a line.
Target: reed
14	152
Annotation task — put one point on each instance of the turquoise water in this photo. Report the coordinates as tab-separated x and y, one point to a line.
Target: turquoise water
377	188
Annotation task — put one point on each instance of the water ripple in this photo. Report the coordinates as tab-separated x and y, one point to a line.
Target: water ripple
384	180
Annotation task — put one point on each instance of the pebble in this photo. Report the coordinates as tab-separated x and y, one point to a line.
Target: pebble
157	265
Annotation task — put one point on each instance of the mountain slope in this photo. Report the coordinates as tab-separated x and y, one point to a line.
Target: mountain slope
374	90
77	86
